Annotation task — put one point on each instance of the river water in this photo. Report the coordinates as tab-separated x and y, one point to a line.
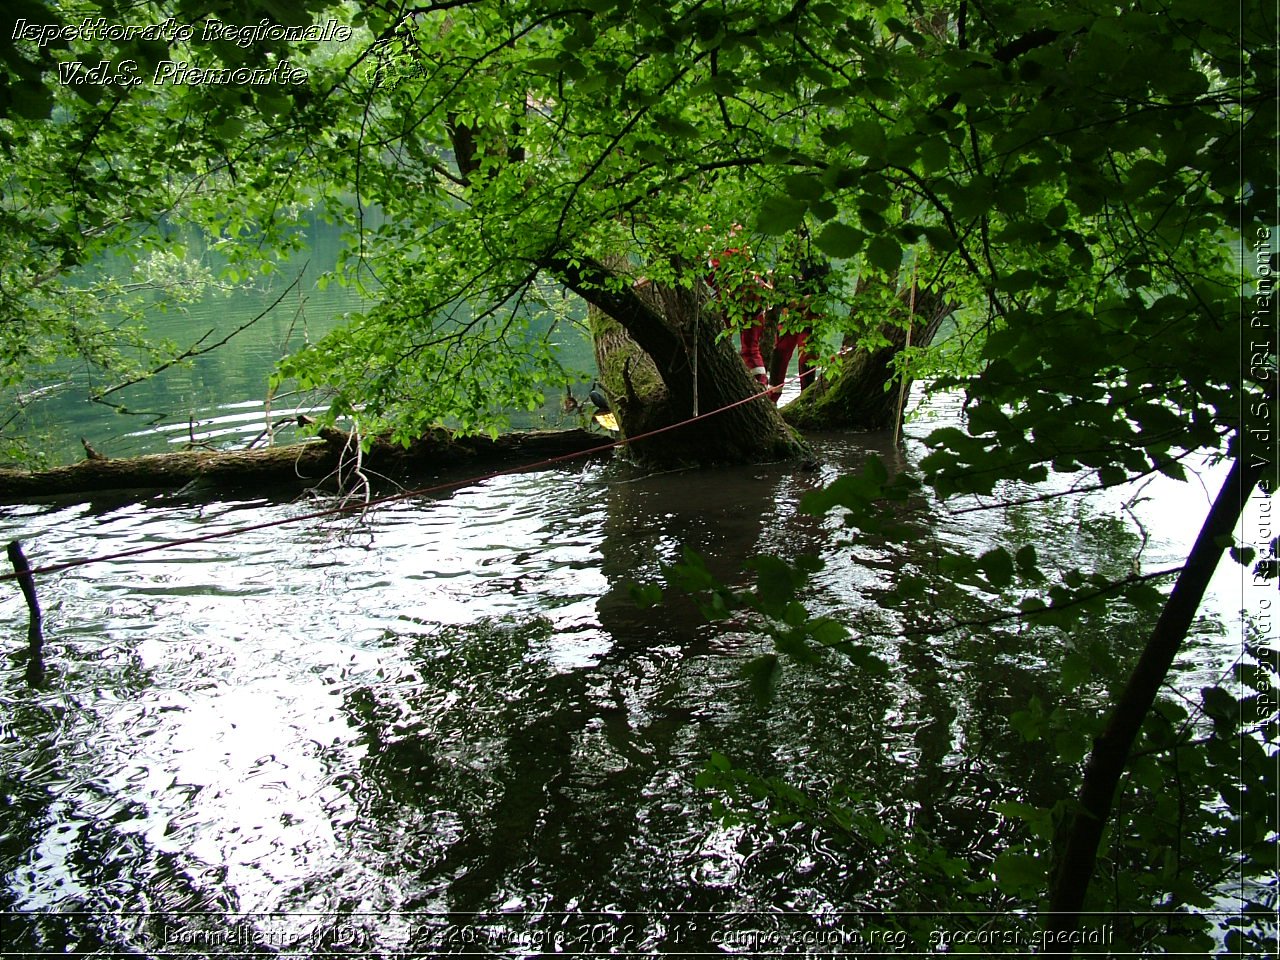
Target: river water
446	726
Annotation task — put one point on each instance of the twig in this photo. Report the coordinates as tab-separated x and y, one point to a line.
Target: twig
357	471
195	350
269	431
1073	491
1127	507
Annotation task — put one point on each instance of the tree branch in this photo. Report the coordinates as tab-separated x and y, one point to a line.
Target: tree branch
195	350
1075	601
1077	846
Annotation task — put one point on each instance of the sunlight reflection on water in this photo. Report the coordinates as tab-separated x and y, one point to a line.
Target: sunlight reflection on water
454	704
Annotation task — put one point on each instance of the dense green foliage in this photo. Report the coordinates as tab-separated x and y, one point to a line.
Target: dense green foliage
1078	175
1069	171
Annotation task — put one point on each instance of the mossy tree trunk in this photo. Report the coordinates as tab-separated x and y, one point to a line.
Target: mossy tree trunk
863	394
329	465
663	362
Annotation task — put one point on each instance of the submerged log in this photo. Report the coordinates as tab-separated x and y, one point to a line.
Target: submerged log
311	463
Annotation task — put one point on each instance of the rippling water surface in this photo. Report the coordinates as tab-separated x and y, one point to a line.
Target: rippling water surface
452	705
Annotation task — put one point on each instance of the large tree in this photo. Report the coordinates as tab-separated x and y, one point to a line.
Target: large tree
482	156
1075	176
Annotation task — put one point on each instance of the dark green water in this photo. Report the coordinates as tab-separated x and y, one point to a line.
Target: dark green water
220	399
447	729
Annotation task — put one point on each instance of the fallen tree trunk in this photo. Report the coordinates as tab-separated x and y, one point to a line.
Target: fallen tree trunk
322	462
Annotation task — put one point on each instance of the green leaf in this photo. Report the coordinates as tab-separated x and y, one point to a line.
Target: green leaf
779	215
840	241
691	575
1243	555
677	127
1075	670
1020	874
795	614
885	254
997	565
828	632
1030	722
1038	819
864	136
867	661
805	187
1221	707
1027	561
856	493
935	154
645	595
714	774
762	674
1072	746
776	583
546	65
823	210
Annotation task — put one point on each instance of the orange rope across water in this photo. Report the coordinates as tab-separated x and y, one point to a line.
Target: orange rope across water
378	501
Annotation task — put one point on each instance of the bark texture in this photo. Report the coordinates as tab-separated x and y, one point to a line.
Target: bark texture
860	396
321	462
663	361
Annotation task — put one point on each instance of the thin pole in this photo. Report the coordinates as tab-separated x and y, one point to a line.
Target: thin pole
697	331
911	322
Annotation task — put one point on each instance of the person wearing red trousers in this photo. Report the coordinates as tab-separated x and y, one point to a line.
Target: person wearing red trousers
786	345
739	290
811	273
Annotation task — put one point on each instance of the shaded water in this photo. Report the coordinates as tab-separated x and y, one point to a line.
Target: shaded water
361	733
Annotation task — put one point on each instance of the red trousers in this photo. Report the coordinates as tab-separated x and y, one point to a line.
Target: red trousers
787	344
751	354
